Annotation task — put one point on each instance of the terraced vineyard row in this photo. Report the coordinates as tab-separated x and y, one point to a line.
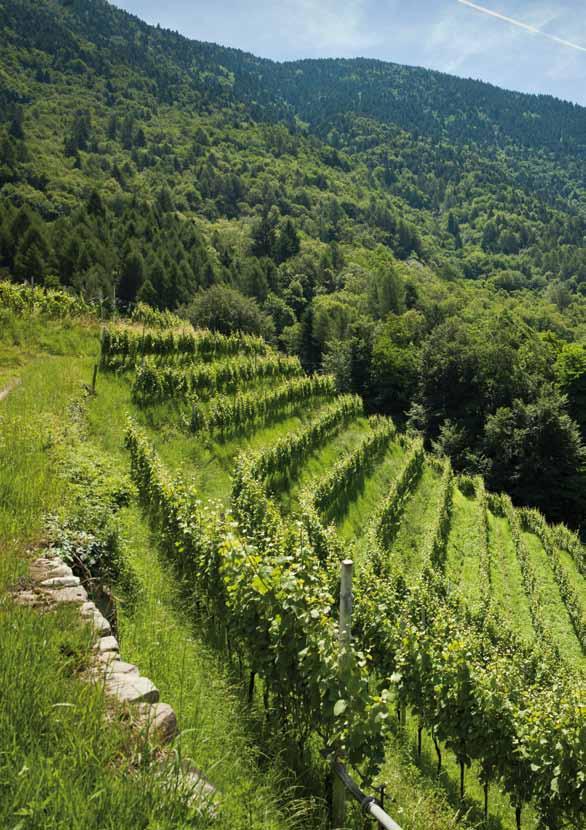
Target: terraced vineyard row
453	585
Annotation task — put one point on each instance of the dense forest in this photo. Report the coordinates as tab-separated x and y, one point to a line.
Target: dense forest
421	237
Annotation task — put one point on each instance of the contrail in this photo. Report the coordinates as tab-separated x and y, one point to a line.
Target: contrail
521	25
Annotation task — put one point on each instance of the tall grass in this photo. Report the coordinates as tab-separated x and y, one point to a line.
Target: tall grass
62	764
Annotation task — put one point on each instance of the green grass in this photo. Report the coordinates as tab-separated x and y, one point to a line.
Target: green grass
217	730
354	523
159	634
29	425
422	799
462	560
576	578
507	581
320	462
60	767
555	615
420	509
205	460
24	339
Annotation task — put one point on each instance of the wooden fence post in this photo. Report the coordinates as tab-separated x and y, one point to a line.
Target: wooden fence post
345	639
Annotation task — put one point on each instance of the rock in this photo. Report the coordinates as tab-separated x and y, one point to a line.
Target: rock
100	624
113	668
60	582
158	720
202	792
121	667
129	689
107	644
49	568
27	598
104	658
65	595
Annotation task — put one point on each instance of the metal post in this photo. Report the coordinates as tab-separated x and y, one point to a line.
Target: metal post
368	805
345	639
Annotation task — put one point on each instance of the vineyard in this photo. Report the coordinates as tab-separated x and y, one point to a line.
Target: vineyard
469	614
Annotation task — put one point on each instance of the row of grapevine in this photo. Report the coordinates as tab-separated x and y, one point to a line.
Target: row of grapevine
288	452
533	521
388	519
345	473
484	554
482	698
154	384
248	408
268	588
155	318
527	570
567	540
435	535
25	299
132	345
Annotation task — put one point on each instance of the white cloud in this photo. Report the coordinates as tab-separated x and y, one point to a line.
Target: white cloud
327	25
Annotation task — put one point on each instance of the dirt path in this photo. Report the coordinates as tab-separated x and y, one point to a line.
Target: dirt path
4	393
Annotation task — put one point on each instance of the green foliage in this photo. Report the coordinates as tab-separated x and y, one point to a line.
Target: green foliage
153	318
248	408
538	455
534	521
571	374
88	536
268	587
47	303
256	197
226	310
348	471
283	457
153	384
436	533
123	347
389	514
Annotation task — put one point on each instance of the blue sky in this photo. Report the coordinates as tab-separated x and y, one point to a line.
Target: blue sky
463	37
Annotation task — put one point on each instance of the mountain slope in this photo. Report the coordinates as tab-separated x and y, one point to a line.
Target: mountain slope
373	215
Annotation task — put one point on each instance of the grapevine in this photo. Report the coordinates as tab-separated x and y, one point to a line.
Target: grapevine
244	409
387	522
289	451
533	520
153	384
437	531
345	472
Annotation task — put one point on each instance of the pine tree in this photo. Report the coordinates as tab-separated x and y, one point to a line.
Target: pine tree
131	276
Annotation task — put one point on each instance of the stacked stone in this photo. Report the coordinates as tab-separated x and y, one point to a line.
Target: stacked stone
55	584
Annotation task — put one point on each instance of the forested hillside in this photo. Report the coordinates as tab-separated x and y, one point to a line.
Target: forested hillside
421	237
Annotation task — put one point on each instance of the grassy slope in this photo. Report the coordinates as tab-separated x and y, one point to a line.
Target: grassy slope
320	462
507	582
554	611
217	731
354	521
59	767
462	562
578	581
159	631
420	508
